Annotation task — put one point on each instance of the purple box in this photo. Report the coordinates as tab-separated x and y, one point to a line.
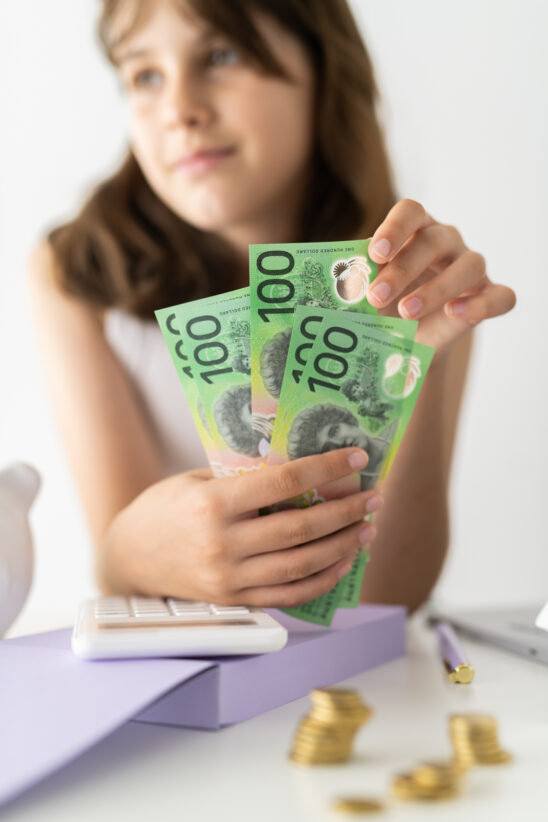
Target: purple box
237	688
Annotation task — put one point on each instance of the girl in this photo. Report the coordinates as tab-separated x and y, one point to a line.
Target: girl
250	121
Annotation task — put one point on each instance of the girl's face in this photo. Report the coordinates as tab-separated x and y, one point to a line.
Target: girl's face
224	145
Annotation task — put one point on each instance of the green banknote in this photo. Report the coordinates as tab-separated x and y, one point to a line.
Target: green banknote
167	320
216	339
169	326
358	388
282	276
307	320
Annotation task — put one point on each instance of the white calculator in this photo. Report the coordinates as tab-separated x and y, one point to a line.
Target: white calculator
120	627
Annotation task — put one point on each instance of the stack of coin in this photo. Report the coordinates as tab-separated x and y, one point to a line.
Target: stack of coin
475	740
429	780
326	735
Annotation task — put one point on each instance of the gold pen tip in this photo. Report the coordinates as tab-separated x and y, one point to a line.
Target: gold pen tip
462	674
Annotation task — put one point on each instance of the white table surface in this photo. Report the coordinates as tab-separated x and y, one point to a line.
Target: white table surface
242	773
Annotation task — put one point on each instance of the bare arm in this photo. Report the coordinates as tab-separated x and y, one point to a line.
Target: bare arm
427	273
413	526
110	449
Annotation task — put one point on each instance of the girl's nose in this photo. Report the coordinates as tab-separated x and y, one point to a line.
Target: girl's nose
186	105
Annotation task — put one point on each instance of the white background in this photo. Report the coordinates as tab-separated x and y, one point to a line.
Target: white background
464	107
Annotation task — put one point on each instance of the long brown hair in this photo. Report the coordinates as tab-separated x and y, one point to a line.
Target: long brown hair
126	248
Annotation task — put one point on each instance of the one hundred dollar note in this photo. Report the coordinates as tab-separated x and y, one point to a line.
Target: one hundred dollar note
169	326
358	388
307	321
372	376
167	320
216	339
282	276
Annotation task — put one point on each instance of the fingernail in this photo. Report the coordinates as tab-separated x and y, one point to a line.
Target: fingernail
381	292
357	460
344	570
457	307
373	504
412	306
382	247
367	534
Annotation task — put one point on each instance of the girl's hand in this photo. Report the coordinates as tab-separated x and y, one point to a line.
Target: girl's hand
199	538
433	276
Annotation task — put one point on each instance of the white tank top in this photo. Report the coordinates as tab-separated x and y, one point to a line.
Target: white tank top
141	350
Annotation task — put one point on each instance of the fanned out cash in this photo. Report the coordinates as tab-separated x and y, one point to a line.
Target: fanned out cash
298	364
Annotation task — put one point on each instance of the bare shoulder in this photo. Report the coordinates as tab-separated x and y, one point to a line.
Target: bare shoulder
42	272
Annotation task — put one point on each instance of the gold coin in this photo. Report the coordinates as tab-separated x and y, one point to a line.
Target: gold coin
355	715
322	753
311	760
340	706
499	758
310	742
357	805
474	722
310	736
320	756
435	774
321	730
405	787
334	693
322	750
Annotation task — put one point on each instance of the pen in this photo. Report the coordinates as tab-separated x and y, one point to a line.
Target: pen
458	667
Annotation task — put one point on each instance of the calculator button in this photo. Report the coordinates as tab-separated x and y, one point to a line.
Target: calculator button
120	611
232	610
111	604
194	612
147	602
190	602
179	607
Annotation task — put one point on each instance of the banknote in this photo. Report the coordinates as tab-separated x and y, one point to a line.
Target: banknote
167	320
282	276
358	387
307	320
216	339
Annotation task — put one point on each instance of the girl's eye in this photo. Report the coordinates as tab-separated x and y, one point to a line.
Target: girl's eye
148	78
222	56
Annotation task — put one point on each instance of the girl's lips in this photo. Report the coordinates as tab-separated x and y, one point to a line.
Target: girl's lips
201	161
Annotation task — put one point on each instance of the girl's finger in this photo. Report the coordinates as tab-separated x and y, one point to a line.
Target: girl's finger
492	301
236	496
403	219
296	593
293	564
286	529
432	244
467	271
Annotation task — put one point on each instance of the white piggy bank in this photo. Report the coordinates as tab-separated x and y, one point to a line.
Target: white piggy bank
19	484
